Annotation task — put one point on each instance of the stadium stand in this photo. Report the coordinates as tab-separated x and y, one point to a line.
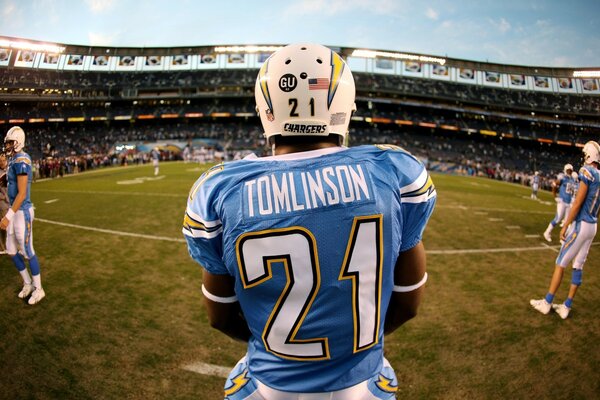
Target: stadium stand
82	104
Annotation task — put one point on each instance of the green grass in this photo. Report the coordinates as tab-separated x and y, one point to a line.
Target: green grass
123	314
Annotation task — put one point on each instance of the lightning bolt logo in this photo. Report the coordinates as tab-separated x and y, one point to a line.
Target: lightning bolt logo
238	382
337	67
385	384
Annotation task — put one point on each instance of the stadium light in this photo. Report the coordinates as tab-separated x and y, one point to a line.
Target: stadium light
42	47
586	74
399	56
247	49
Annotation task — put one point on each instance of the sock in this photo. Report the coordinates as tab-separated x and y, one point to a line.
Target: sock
19	262
34	265
37	281
549	298
569	302
25	276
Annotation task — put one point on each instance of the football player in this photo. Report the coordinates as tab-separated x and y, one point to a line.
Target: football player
18	221
577	233
562	189
155	154
535	185
312	254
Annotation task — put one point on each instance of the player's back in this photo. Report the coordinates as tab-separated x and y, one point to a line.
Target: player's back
589	209
312	239
19	164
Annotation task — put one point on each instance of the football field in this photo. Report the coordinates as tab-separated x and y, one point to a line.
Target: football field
123	315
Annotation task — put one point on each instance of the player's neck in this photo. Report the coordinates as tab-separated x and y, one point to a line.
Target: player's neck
297	148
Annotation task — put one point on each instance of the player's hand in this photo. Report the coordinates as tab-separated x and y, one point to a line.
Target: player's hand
4	224
563	233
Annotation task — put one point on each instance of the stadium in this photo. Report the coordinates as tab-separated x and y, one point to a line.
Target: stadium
124	315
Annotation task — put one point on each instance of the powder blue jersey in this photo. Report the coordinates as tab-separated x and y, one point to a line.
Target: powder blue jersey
589	210
311	239
19	164
565	187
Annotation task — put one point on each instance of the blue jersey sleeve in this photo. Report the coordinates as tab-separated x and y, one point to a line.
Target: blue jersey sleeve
22	165
586	176
202	225
417	196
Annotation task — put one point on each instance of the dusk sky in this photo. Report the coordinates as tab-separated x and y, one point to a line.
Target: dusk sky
555	33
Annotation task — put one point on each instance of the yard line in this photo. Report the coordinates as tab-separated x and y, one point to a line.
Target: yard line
480	213
51	201
501	250
553	248
435	252
513	227
495	219
504	210
111	192
112	232
208	369
532	236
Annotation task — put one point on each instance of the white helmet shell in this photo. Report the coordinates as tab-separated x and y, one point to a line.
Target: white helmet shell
591	152
575	175
567	167
17	136
305	89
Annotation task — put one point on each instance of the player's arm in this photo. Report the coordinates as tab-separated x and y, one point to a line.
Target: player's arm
555	185
579	200
409	279
21	194
224	311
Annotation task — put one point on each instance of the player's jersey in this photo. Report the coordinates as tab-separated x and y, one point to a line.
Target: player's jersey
311	239
155	155
589	210
565	187
536	180
19	164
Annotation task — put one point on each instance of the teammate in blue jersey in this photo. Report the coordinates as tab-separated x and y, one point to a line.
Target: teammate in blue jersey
312	254
577	233
18	221
562	189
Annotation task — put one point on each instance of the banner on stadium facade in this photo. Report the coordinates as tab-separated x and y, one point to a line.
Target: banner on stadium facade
74	61
589	85
413	68
101	63
180	61
4	56
542	83
466	75
384	66
126	63
492	78
25	58
441	72
566	85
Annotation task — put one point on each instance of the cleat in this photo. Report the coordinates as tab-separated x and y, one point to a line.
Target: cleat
26	291
541	305
37	295
547	236
561	310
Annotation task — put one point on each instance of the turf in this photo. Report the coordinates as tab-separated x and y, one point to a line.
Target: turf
123	314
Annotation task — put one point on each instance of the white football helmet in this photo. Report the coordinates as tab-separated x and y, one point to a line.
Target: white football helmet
566	168
305	90
591	152
575	175
14	140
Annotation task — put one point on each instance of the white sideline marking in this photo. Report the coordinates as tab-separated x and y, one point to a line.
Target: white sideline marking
513	227
137	181
208	369
112	232
532	236
495	219
184	195
51	201
480	213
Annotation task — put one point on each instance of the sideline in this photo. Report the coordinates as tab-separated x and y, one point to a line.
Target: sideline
113	193
544	246
208	369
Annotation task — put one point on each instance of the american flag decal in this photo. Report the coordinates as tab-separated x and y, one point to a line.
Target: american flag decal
318	83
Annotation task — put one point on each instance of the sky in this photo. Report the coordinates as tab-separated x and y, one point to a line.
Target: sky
551	33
